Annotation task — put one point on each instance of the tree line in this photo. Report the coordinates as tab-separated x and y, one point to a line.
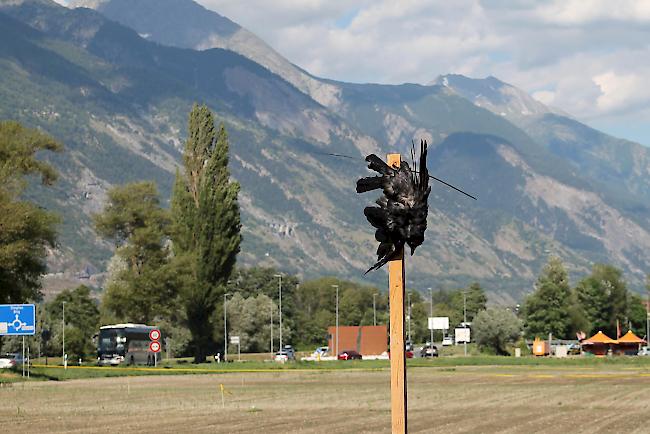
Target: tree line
598	302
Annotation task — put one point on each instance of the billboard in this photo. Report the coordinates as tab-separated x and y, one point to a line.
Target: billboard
461	335
438	323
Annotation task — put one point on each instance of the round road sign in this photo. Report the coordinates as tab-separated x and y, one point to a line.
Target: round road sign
154	334
155	346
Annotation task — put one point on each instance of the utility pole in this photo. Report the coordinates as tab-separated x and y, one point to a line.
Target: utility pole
225	329
271	328
647	319
431	315
63	349
374	310
465	320
279	276
336	354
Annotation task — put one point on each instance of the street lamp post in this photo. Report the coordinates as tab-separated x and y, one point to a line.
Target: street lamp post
337	321
465	320
279	276
430	315
225	329
374	310
271	327
63	346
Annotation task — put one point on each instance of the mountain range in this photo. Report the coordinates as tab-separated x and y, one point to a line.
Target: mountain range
114	81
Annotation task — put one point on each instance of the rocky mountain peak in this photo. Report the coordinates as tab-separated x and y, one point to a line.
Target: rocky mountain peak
493	94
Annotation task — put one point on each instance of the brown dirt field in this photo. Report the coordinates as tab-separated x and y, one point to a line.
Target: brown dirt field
452	400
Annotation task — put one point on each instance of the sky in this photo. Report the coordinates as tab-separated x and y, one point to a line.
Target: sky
589	58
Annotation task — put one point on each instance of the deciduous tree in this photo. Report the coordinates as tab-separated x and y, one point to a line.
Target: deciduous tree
495	329
248	318
81	321
26	230
145	286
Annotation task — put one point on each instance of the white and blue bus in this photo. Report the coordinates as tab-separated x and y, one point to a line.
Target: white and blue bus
125	343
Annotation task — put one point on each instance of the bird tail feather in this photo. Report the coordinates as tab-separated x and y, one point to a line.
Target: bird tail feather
392	253
424	172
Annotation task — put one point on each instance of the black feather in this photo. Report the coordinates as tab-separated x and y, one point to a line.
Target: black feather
370	183
401	214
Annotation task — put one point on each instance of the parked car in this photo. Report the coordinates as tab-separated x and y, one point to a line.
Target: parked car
644	351
349	355
281	356
9	360
429	351
291	354
447	340
321	351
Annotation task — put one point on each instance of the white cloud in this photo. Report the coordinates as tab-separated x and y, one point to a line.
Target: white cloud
587	57
572	12
622	91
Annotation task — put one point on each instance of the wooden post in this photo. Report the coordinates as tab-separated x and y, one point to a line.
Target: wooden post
396	281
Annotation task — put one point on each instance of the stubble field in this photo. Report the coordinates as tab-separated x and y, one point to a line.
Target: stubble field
474	399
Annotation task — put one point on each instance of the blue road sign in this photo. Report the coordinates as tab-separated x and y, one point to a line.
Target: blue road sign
17	319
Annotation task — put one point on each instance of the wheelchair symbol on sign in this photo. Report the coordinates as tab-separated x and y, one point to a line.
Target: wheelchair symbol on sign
17	324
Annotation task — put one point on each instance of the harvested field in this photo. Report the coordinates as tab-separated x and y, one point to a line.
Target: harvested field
451	400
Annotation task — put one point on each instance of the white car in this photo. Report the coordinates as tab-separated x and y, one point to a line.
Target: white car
447	340
644	351
281	356
9	360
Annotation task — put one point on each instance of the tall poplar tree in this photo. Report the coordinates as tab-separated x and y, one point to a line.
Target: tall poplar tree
206	222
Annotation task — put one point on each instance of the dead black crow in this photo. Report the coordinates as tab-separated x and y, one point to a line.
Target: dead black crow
401	217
